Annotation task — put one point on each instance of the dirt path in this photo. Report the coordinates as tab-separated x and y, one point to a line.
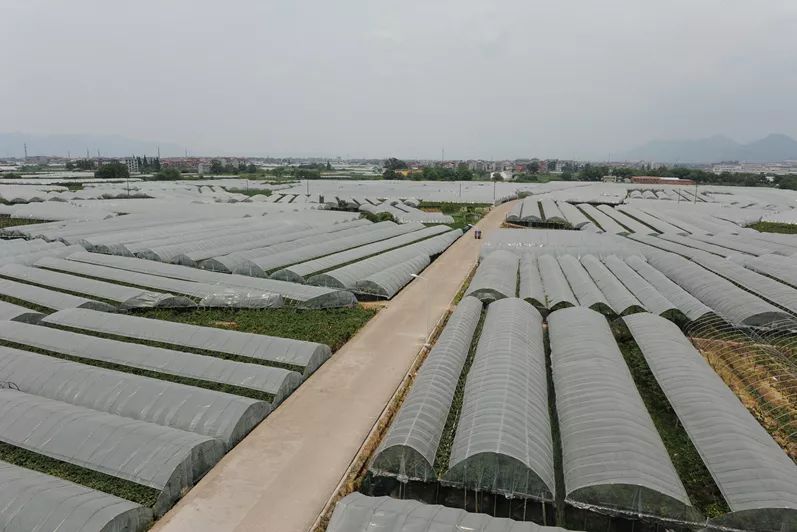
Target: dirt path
279	478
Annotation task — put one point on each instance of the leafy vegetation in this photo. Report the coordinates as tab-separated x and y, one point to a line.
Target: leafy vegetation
114	170
333	327
6	221
143	495
463	213
699	484
775	227
447	438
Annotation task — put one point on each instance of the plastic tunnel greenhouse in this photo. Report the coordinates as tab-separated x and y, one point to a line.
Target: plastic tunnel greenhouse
32	501
409	448
755	476
620	299
584	288
275	383
503	439
496	277
359	513
689	305
558	293
162	458
306	356
613	458
219	415
388	282
531	287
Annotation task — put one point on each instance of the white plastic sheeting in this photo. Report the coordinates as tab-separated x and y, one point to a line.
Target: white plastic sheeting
725	298
574	216
260	266
531	288
304	295
626	221
298	353
650	298
558	293
408	450
388	282
277	382
620	299
612	455
496	277
359	513
503	439
584	288
128	297
241	261
162	458
689	305
218	415
299	272
9	311
208	295
32	501
755	476
49	298
606	223
348	276
551	212
782	268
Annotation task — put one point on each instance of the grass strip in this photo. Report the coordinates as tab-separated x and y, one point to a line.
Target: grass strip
188	381
699	484
447	438
138	493
8	221
26	304
556	437
775	227
63	291
178	347
333	327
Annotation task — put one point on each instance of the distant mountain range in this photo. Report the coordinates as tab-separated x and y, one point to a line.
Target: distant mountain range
772	148
12	145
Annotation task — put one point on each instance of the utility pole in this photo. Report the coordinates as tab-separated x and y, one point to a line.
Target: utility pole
25	147
695	202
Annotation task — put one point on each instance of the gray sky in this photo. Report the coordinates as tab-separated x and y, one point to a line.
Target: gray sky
491	79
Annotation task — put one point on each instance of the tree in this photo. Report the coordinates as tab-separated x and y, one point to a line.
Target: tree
84	164
533	167
593	173
395	164
70	165
251	169
216	167
622	172
167	174
787	181
114	170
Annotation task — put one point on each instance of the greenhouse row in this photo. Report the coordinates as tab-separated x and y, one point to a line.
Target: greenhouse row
305	356
359	513
612	285
613	462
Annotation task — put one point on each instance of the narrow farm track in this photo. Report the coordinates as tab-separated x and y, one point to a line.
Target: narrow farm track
280	477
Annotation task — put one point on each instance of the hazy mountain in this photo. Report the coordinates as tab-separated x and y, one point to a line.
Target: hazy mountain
772	148
12	145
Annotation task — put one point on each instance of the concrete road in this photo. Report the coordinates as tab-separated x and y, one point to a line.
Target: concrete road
279	478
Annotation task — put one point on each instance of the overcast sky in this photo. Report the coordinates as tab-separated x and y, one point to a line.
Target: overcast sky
490	79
